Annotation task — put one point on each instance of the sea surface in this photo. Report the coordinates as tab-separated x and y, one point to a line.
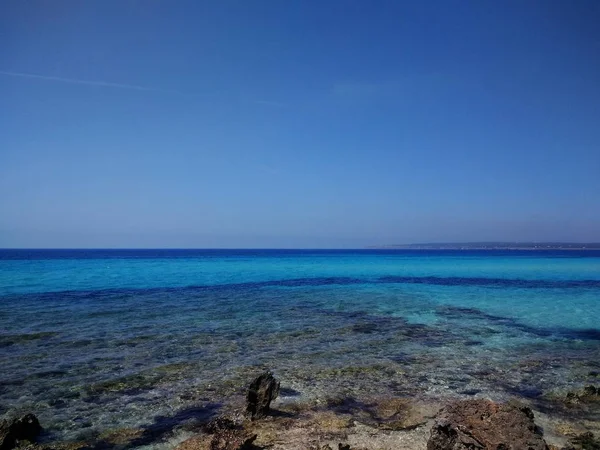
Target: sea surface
97	340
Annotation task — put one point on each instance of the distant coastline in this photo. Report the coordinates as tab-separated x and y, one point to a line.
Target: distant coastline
492	246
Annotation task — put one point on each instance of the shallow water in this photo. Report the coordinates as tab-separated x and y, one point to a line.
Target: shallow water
96	340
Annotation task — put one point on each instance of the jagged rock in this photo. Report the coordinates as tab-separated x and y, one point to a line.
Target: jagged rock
585	441
27	428
54	446
587	394
485	425
221	433
222	440
263	390
591	390
219	424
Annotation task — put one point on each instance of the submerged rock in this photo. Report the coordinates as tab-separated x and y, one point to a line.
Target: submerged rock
397	414
328	421
27	428
587	394
263	390
55	446
121	436
485	425
585	441
393	414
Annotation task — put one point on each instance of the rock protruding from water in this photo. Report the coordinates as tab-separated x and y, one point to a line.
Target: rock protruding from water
585	441
587	394
485	425
262	391
27	428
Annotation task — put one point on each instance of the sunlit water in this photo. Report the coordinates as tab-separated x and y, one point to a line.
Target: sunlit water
96	340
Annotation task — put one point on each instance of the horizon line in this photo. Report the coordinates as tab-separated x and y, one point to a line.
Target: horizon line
579	245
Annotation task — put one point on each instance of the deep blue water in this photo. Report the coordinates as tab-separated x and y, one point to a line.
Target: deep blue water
97	339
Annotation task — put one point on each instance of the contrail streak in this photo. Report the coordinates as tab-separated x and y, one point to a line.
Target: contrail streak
133	87
86	82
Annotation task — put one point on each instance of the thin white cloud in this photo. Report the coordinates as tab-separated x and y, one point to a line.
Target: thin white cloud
267	168
106	84
85	82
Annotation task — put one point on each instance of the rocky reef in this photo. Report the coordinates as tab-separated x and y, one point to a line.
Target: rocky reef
483	424
17	431
263	420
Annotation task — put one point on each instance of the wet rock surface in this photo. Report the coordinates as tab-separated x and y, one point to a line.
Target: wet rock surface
12	433
585	441
341	421
483	424
384	413
588	394
580	405
262	391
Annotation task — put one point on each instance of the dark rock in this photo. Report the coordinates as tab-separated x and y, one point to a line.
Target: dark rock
27	428
340	447
366	328
471	343
587	394
585	441
485	425
219	424
263	390
591	390
527	391
471	391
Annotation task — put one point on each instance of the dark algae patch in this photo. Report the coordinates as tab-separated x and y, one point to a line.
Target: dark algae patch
7	340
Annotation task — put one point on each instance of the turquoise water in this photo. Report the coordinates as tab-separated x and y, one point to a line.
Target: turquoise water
95	340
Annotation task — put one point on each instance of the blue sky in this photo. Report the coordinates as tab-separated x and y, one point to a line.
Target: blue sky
298	123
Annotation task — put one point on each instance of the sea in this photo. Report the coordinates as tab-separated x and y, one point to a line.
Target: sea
98	340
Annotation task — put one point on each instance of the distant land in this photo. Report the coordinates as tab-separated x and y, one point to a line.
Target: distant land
494	246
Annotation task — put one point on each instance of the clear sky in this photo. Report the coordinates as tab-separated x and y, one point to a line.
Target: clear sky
298	123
